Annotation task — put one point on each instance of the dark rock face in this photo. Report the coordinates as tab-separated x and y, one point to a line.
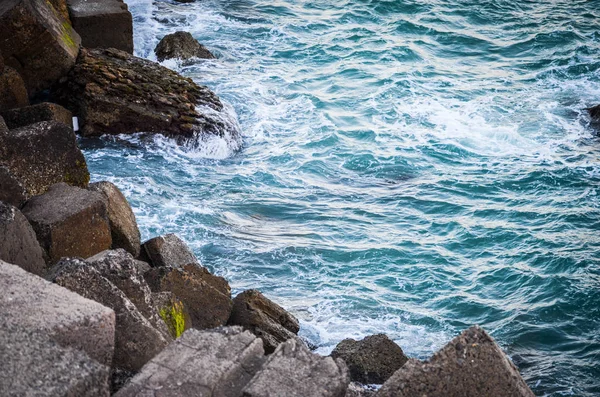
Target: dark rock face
114	92
123	226
69	221
27	115
43	154
371	360
471	365
264	318
206	297
168	250
37	41
173	312
13	93
19	245
292	370
594	113
181	45
11	189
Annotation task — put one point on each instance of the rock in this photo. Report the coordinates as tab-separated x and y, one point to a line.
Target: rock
292	370
123	226
594	113
114	92
3	126
19	244
13	93
371	360
11	190
472	364
173	312
358	390
206	297
136	340
29	302
38	42
27	115
102	23
43	154
69	221
201	363
168	250
264	318
61	7
181	45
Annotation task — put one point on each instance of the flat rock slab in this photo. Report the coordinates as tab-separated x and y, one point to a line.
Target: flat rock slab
293	371
472	364
216	363
102	23
168	250
45	111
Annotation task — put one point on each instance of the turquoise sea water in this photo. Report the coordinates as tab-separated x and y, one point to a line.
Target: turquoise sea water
409	167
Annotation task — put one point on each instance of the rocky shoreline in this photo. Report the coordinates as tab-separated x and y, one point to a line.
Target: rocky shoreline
89	309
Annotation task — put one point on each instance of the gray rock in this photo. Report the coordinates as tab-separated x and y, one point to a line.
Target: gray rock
215	363
136	340
264	318
371	360
168	250
123	226
293	371
359	390
3	126
13	93
45	111
472	364
69	221
11	190
19	243
43	154
102	23
181	45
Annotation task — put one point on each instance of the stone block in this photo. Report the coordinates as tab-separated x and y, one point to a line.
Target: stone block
13	93
27	115
168	250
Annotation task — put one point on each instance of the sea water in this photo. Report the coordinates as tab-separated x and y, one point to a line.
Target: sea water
408	167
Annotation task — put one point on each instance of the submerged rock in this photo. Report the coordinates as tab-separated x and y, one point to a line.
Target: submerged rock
181	45
594	113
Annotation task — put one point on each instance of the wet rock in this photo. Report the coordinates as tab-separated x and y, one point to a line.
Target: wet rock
19	243
371	360
27	115
181	45
43	154
201	363
37	41
102	23
206	297
69	221
3	126
13	93
136	340
292	370
173	312
123	226
168	250
594	113
11	190
472	364
264	318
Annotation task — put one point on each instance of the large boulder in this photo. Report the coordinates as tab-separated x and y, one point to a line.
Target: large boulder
11	189
181	45
371	360
102	23
264	318
293	371
13	93
45	111
168	250
69	221
173	312
42	154
123	226
471	365
37	41
19	243
206	297
114	92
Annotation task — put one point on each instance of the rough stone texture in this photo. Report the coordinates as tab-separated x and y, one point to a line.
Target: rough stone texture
594	113
136	340
206	297
264	318
61	7
371	360
358	390
123	226
209	363
19	244
102	23
13	93
181	45
46	111
114	92
30	302
472	364
292	370
173	311
3	126
37	41
69	221
168	250
43	154
11	190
